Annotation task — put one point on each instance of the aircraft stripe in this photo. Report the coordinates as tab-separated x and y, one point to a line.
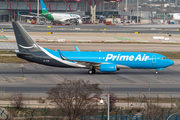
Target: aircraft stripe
60	60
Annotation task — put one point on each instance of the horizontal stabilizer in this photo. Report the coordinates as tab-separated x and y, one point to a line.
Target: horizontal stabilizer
77	49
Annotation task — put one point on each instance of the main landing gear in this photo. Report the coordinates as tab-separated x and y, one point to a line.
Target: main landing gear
92	71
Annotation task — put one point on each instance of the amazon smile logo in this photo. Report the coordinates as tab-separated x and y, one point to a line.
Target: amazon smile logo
30	47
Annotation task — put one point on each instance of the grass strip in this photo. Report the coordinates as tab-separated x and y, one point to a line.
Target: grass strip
12	60
120	38
170	55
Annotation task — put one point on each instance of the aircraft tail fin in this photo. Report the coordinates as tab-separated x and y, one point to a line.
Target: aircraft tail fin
24	41
43	7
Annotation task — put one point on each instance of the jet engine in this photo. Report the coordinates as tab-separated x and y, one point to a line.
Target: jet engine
78	22
108	68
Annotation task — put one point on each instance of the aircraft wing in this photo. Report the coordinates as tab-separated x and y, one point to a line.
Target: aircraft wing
30	16
80	62
34	13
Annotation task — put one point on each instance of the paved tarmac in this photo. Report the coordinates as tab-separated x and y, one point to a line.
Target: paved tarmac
99	28
100	46
35	80
112	47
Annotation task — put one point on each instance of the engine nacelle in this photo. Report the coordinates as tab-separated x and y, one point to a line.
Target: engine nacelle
108	68
80	22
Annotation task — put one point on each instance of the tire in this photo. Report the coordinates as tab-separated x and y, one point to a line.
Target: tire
90	72
157	72
94	71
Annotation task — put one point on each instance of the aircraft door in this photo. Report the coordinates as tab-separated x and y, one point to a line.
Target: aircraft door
154	59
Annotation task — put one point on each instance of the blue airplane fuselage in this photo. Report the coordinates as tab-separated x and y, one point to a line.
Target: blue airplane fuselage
140	60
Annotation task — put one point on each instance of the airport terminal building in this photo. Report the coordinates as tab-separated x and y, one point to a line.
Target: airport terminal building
110	8
22	7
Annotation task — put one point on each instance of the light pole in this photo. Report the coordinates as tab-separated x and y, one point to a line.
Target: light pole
126	6
137	11
157	99
37	11
131	16
107	101
164	17
108	106
171	101
128	100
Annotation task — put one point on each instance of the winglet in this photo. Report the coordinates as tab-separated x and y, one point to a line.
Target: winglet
62	56
77	49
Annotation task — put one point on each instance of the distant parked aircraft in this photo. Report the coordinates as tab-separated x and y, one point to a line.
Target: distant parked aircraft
57	17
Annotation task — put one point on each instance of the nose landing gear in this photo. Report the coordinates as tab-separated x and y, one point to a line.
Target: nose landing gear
157	72
77	22
92	71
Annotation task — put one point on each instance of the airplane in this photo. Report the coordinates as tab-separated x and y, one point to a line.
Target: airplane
57	17
60	17
108	62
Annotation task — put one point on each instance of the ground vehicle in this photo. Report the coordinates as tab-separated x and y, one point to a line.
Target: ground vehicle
41	23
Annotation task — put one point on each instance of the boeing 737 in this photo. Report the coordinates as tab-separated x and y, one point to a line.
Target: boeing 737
97	60
57	17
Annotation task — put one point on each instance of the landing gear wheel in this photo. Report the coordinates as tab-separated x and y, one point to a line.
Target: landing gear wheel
90	71
77	22
93	70
157	72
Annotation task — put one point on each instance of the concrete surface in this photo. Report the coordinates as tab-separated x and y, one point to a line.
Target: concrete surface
100	46
35	80
96	33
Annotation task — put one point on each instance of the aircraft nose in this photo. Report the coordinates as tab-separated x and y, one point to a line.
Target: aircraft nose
170	62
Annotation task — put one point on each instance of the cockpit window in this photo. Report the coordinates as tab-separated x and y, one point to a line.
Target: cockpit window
163	58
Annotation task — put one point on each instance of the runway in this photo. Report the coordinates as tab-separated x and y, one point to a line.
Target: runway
36	80
112	47
98	28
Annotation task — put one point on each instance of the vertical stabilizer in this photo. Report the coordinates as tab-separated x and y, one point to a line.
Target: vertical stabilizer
43	7
24	42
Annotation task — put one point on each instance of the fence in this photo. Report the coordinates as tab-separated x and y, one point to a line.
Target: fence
31	114
127	117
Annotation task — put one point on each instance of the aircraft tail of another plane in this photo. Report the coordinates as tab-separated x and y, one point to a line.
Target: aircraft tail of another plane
24	42
43	7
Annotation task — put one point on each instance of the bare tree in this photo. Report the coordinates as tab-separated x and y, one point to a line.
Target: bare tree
17	100
153	111
73	97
